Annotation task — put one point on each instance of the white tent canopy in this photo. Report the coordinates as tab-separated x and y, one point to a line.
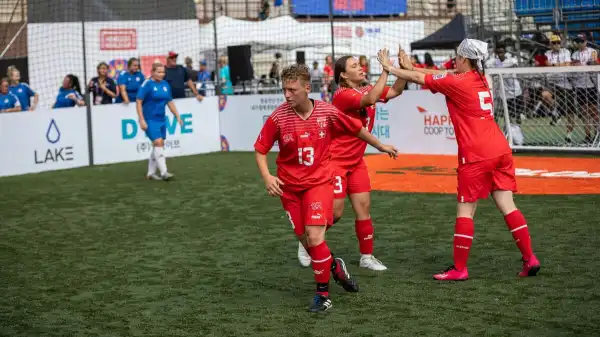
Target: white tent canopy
282	33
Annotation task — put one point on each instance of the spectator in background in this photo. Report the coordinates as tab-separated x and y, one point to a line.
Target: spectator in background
559	91
585	88
69	94
9	102
192	74
177	77
364	64
540	59
22	90
265	10
274	73
102	87
278	4
203	78
129	82
512	86
416	62
451	63
225	77
316	77
428	64
328	69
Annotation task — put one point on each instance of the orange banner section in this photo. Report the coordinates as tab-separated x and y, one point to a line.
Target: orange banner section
437	174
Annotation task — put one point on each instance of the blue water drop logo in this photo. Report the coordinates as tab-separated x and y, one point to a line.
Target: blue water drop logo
53	133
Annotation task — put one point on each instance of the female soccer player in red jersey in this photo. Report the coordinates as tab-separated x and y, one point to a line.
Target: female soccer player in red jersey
304	130
357	100
485	163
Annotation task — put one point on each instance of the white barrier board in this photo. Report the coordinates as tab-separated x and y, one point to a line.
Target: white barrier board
415	122
43	140
117	136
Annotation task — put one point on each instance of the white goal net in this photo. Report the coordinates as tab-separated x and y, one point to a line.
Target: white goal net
548	108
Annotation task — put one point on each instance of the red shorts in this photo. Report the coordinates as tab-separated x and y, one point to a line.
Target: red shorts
477	180
313	207
352	181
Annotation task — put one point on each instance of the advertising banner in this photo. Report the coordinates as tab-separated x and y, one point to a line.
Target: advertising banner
43	140
349	7
118	137
415	122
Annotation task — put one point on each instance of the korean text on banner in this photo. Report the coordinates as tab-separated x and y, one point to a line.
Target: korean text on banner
119	138
44	140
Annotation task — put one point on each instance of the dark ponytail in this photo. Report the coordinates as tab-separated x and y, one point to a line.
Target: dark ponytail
481	72
75	83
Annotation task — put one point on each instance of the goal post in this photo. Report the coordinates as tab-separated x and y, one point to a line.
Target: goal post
548	108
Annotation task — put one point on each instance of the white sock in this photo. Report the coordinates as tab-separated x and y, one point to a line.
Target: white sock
151	164
161	160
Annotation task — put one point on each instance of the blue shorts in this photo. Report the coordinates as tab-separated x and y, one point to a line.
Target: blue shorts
156	130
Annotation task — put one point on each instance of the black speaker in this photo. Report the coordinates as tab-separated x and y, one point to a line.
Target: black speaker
300	57
240	65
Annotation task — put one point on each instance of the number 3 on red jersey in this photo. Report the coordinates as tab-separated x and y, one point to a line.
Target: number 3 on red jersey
306	156
485	106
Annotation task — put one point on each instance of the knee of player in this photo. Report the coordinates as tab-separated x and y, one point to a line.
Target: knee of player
315	235
362	207
159	142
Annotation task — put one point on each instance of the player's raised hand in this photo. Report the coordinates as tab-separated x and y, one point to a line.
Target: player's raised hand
383	56
273	185
390	150
404	59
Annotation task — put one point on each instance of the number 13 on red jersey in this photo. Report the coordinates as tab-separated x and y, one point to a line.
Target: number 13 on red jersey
306	156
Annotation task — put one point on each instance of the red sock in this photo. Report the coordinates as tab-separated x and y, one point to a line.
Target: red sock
463	239
321	265
517	225
364	234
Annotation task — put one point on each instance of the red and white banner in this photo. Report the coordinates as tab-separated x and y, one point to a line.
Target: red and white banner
118	39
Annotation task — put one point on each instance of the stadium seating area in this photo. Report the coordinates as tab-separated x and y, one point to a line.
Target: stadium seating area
573	16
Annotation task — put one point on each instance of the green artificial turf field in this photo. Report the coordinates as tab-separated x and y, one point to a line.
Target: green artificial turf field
101	252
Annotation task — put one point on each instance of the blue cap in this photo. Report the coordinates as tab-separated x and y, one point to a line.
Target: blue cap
203	62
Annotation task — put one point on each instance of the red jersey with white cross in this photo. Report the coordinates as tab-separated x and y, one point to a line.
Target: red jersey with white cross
348	151
304	144
471	110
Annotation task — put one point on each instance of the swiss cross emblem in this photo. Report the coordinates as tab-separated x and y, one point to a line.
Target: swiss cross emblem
322	134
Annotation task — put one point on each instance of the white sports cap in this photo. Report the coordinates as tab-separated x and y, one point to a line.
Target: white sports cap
473	49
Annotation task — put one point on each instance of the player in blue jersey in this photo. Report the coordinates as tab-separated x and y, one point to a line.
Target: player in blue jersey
8	101
129	82
152	98
69	94
22	90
